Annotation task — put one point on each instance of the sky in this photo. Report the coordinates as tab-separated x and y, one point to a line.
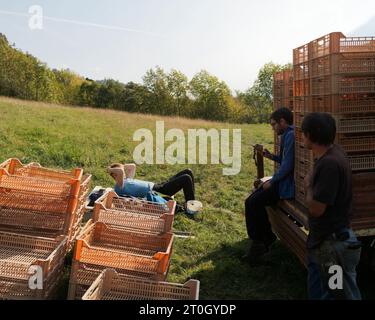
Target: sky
232	39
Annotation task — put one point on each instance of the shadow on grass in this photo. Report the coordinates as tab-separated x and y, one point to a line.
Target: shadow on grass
278	276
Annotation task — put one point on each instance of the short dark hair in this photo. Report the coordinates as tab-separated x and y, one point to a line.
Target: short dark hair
283	113
320	128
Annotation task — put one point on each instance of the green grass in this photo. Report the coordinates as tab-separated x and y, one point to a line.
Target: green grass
67	137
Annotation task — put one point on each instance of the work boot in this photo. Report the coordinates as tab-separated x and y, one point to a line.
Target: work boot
256	252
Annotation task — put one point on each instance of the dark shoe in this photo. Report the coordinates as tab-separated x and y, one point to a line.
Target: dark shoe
95	195
257	250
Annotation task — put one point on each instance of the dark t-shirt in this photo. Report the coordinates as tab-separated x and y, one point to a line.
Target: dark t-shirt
332	185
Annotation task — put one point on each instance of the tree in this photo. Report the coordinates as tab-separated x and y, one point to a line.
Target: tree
24	76
178	86
109	94
69	85
205	96
259	97
45	84
209	97
238	111
160	101
263	86
87	93
134	98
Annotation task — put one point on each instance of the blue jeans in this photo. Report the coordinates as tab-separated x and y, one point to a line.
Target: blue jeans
345	254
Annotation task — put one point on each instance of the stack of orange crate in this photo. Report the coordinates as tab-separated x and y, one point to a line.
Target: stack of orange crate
40	213
283	89
336	74
111	285
132	236
282	97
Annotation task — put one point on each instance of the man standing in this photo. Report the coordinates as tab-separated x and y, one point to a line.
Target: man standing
333	249
281	186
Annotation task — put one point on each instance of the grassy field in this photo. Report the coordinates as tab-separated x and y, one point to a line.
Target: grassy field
67	137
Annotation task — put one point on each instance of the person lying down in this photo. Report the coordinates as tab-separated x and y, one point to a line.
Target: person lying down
126	185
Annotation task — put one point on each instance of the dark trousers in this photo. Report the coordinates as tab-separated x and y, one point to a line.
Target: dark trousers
257	223
183	180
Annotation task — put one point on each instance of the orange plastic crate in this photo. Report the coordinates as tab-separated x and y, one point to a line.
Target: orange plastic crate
38	194
300	189
301	152
134	214
344	124
142	206
113	286
35	170
363	199
53	188
54	207
278	103
15	216
360	149
344	64
336	42
301	88
362	163
301	54
18	253
351	144
356	144
301	71
77	216
99	244
84	274
340	104
19	196
360	145
338	84
283	89
302	168
300	104
19	290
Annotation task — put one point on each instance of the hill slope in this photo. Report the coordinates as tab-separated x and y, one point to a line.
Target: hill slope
67	137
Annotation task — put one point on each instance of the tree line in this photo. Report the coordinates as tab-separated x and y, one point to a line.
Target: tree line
164	93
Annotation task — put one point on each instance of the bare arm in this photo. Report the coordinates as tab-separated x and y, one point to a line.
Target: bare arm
130	169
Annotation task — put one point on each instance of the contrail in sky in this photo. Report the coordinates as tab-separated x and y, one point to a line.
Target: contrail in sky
83	23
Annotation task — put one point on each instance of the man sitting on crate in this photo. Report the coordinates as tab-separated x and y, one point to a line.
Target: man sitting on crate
281	186
333	249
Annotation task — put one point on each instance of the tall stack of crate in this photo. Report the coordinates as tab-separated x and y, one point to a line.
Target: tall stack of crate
40	213
336	74
283	89
132	236
282	97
